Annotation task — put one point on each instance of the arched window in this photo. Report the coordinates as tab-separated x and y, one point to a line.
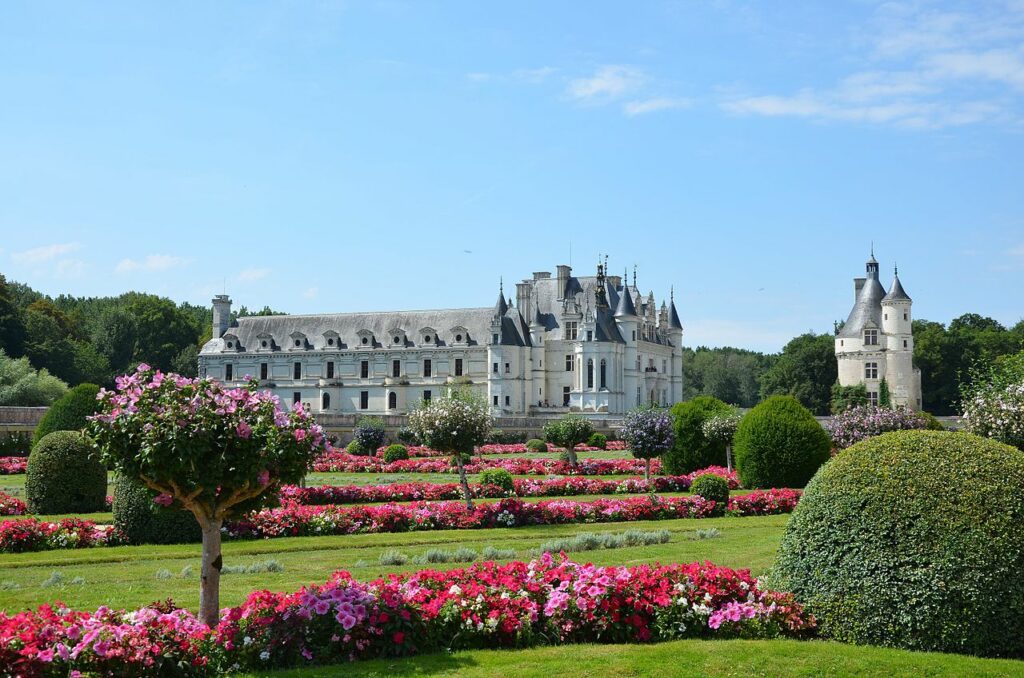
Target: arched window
392	400
604	374
590	373
326	402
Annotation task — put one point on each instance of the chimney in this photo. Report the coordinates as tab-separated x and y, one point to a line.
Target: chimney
221	315
857	284
541	275
563	279
523	298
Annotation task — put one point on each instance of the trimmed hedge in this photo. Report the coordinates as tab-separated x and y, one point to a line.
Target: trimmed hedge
713	487
933	424
355	448
68	412
692	450
143	522
498	477
536	445
779	444
913	539
395	453
598	440
63	476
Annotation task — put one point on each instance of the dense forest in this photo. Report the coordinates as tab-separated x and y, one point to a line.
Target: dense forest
93	339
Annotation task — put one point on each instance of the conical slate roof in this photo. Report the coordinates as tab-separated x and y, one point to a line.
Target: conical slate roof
896	292
501	308
867	310
625	306
673	317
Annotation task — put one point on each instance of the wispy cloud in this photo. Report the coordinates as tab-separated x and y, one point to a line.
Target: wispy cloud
534	76
311	293
70	268
253	274
653	105
606	84
152	263
39	255
929	70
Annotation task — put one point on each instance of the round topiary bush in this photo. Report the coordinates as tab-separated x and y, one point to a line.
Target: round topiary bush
63	476
692	450
912	539
141	521
779	444
68	412
712	487
931	423
598	440
395	453
355	448
497	477
536	445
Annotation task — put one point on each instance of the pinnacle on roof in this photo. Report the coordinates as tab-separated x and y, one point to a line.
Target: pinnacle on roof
673	316
501	308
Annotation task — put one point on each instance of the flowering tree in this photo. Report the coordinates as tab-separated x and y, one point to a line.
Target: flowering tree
866	421
721	429
455	423
568	432
648	431
993	402
204	448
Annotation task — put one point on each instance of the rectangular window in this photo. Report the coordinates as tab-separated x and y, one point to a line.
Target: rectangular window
871	370
364	400
296	397
508	368
569	362
364	369
904	343
634	335
664	366
297	371
458	367
330	370
494	368
590	335
396	368
873	398
495	401
229	372
571	331
906	316
507	400
565	396
871	337
638	395
263	370
426	371
426	396
494	338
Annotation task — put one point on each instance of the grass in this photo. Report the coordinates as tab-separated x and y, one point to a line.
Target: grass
712	658
126	576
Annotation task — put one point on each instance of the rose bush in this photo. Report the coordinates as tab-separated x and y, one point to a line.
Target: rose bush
349	463
10	466
551	600
866	421
11	506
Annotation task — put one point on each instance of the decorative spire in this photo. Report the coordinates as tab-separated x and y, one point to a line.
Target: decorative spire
625	308
501	308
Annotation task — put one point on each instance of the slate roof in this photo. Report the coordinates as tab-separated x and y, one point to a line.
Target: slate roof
896	292
866	310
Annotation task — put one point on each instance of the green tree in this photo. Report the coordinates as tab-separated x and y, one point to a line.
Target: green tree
162	330
884	397
23	386
568	432
847	397
12	325
113	333
806	370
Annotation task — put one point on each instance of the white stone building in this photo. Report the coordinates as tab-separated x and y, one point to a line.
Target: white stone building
583	344
876	342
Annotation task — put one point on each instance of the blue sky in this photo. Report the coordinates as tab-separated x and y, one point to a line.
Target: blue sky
385	155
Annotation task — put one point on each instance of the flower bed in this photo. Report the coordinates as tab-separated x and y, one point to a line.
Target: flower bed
10	466
547	601
495	448
11	506
342	462
292	520
523	487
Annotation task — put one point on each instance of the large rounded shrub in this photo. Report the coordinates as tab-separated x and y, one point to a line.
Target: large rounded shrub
498	477
598	440
779	444
536	445
63	476
69	412
913	539
395	453
142	521
692	450
712	487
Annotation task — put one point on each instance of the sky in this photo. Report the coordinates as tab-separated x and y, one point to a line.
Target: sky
352	156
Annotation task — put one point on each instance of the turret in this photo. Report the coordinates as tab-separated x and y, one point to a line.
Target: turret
221	315
501	307
896	317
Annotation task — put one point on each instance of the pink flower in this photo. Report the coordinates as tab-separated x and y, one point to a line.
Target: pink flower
243	430
300	434
163	499
264	477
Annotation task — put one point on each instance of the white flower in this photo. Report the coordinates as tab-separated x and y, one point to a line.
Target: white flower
265	655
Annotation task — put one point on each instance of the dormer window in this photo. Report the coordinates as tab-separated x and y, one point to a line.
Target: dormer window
231	342
871	337
298	341
460	335
428	336
331	339
365	338
266	342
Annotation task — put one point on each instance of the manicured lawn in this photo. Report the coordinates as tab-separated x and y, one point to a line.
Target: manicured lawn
782	658
126	576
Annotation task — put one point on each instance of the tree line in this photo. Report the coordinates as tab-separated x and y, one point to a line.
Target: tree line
93	339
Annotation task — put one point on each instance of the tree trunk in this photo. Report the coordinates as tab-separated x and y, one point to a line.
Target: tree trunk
570	451
647	469
465	483
728	456
209	586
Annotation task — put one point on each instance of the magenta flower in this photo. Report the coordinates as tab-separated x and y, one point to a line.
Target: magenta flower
243	430
163	499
